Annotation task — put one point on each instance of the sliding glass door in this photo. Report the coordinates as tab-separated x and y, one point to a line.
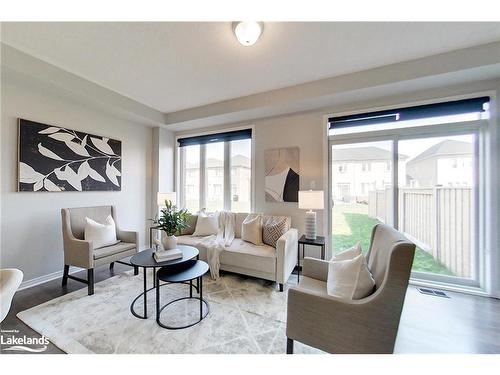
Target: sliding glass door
426	186
362	191
437	203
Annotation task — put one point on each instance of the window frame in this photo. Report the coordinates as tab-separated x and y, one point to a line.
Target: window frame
180	171
485	218
473	127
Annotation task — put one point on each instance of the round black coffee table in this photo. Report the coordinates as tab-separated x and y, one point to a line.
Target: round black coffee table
146	260
188	271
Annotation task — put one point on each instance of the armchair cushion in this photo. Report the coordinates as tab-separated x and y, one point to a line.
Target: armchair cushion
77	218
101	234
349	279
113	249
350	253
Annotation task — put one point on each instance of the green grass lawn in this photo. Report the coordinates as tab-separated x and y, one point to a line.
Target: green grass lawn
361	227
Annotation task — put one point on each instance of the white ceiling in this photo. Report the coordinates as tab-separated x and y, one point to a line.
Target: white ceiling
173	66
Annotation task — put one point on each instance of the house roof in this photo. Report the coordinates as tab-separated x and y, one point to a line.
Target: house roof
447	147
370	153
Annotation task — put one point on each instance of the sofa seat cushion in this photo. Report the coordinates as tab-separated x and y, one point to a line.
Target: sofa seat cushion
113	249
240	254
243	254
313	285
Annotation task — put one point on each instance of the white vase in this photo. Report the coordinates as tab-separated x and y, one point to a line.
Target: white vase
169	242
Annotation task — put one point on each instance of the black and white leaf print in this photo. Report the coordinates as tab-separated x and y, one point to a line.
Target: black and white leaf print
63	137
86	170
50	130
77	148
50	186
102	144
38	185
28	175
112	174
52	158
46	152
68	174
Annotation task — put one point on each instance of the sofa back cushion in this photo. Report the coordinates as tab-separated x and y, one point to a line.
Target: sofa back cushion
240	218
189	230
251	229
207	224
273	228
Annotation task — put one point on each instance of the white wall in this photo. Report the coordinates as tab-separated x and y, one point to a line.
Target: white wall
31	222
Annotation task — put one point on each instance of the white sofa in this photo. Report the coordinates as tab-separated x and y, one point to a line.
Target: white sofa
266	262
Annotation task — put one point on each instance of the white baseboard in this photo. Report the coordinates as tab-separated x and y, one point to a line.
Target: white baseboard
43	279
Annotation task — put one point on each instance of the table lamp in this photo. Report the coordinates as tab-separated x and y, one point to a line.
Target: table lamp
311	200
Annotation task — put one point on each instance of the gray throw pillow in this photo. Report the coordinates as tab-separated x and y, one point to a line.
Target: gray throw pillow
273	229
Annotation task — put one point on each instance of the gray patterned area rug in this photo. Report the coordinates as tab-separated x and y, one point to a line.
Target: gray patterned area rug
247	315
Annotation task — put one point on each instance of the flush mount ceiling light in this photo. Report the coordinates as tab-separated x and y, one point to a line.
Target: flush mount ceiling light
248	32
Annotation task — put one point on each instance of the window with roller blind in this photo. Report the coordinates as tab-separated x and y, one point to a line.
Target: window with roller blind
216	171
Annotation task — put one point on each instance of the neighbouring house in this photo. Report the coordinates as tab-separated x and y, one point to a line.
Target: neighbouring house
448	163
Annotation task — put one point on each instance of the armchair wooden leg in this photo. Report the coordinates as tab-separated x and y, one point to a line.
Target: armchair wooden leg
90	280
65	275
289	346
112	265
136	270
281	287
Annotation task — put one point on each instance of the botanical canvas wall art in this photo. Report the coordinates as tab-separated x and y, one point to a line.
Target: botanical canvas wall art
52	158
282	174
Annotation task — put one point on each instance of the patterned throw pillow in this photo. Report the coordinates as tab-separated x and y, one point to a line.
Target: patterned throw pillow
273	229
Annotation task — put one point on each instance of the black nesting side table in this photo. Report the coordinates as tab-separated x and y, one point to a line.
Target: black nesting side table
146	260
319	241
183	273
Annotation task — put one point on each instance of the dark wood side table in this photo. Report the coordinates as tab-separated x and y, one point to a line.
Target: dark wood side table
319	241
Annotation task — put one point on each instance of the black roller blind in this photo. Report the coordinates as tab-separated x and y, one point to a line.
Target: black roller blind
410	113
217	137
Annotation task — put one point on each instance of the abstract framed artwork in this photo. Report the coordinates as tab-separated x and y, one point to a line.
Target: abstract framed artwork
282	174
53	158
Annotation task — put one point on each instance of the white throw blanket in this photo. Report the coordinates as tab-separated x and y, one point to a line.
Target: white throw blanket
215	244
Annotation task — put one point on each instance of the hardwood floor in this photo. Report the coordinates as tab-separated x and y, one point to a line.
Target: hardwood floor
460	324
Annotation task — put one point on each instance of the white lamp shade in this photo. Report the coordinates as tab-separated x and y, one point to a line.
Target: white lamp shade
311	200
162	197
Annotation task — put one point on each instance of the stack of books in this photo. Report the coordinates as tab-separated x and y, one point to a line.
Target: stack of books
166	255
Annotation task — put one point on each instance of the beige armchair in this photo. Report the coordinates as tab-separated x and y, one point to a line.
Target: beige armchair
81	253
368	325
10	280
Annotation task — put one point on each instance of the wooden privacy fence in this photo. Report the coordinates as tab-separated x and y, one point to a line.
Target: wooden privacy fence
438	220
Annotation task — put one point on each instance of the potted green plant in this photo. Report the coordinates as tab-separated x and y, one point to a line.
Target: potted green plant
171	221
